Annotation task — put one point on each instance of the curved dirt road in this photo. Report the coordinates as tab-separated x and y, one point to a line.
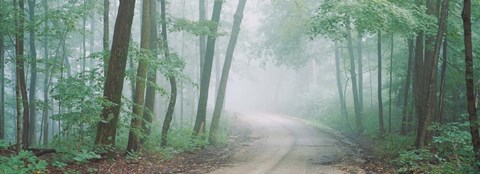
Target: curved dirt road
286	145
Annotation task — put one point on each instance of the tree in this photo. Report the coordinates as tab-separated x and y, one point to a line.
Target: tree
140	80
426	75
107	128
106	34
379	88
20	85
47	79
152	75
202	38
2	87
33	74
343	105
469	76
171	78
226	70
207	71
353	76
405	125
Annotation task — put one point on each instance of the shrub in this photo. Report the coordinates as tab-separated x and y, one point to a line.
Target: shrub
23	162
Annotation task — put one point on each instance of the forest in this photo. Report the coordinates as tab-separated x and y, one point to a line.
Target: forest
230	86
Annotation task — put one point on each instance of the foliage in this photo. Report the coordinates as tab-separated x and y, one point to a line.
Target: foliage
81	95
84	156
449	152
22	163
196	28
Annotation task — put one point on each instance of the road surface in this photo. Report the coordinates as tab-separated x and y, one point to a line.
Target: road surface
287	145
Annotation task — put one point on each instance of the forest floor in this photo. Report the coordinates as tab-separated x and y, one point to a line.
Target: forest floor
258	143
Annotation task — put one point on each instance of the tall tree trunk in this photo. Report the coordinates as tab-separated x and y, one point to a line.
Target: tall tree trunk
358	112
46	79
107	128
106	34
140	82
207	71
390	88
217	112
428	89
440	116
33	75
203	39
171	78
360	72
405	120
469	79
84	41
152	75
91	43
21	86
379	88
343	107
2	87
66	62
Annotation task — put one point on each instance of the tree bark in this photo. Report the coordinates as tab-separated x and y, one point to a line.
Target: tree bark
406	97
46	81
390	88
358	112
152	76
140	82
207	72
171	78
2	87
440	116
106	34
33	75
469	79
107	128
360	72
217	112
428	89
379	88
343	105
21	87
202	38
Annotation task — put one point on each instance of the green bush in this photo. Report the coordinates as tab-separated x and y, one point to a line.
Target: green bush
24	162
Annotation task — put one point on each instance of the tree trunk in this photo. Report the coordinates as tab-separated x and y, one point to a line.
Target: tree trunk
46	81
379	88
440	116
428	89
140	82
207	71
84	42
171	78
2	87
469	79
66	62
360	72
343	107
390	88
358	112
405	120
33	75
106	34
21	87
107	128
217	112
152	76
203	39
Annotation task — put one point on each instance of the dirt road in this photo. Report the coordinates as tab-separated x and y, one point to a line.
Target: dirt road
286	145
